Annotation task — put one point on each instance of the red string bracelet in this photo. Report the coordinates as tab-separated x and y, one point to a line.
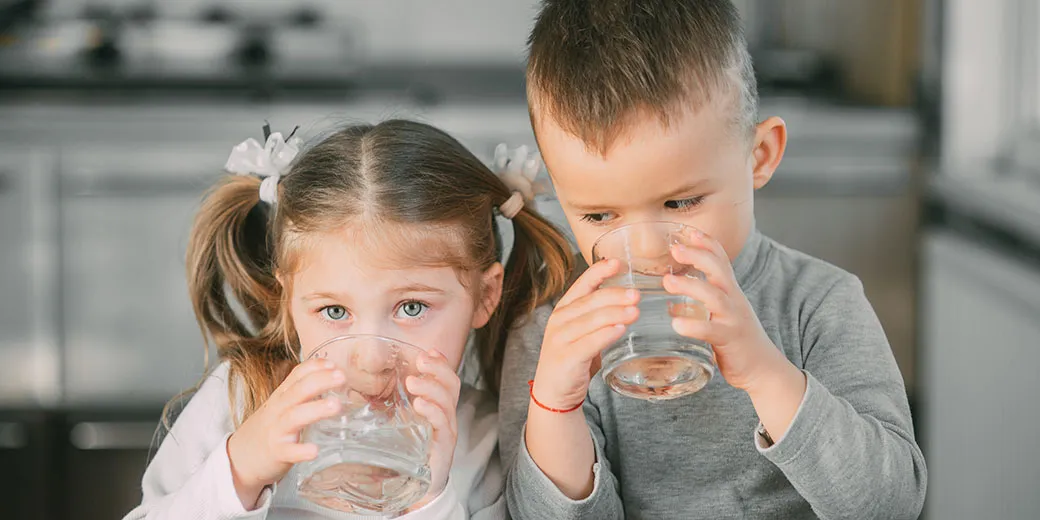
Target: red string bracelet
549	408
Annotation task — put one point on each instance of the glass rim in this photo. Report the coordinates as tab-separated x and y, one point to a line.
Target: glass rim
345	337
614	232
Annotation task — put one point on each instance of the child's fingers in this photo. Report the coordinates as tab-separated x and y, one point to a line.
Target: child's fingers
604	317
295	453
592	303
435	365
713	298
300	416
301	371
313	385
707	331
590	280
436	416
429	390
710	243
717	270
590	346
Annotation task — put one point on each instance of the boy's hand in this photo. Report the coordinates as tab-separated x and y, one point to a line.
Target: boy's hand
744	352
585	322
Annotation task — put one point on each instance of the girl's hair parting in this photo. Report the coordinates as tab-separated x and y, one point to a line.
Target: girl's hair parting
406	180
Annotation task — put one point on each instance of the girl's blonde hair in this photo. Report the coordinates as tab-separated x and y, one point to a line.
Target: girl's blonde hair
396	179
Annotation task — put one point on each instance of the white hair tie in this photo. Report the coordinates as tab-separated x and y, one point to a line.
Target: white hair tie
269	189
269	161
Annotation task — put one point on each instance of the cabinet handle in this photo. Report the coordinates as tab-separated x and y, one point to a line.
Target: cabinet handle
113	435
12	436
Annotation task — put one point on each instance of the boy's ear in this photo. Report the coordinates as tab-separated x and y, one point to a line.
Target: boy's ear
490	294
768	150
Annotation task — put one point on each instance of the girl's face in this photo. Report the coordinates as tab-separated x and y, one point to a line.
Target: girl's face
342	289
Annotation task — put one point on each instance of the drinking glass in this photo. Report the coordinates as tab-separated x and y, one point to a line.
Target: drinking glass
374	456
652	361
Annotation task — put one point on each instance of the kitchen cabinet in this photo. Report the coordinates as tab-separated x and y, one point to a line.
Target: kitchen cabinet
28	339
103	457
981	324
28	462
130	337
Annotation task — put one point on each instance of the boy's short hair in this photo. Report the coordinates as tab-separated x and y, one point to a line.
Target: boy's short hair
594	64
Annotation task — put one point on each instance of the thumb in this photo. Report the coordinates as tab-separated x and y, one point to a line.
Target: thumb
595	366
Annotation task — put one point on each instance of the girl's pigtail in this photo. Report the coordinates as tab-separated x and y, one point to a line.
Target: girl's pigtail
234	291
536	273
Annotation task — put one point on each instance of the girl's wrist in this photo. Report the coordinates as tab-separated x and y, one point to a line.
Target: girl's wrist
247	489
427	499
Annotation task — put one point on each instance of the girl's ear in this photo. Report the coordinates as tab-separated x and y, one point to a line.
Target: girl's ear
490	294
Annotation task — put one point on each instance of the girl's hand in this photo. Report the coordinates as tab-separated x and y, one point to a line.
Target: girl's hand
436	399
586	321
267	444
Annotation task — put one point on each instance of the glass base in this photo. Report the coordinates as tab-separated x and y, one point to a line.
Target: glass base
365	482
661	375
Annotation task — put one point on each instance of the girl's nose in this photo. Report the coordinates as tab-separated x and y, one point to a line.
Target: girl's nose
373	356
371	369
372	326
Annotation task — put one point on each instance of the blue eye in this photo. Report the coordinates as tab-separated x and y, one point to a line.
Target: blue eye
684	204
334	313
412	309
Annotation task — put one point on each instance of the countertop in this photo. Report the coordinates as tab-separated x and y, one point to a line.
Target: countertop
832	148
1005	205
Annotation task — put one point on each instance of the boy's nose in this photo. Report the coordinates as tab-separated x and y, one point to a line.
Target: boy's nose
647	244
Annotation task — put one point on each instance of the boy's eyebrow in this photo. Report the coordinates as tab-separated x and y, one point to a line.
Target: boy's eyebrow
684	190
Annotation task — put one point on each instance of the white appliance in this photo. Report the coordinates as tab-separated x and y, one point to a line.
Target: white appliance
979	359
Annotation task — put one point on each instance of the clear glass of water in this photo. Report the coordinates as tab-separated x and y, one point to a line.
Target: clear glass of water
374	456
652	361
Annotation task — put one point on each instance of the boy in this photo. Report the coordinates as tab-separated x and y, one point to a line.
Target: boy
646	110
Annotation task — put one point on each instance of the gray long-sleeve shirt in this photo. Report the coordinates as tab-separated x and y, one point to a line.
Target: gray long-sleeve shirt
849	453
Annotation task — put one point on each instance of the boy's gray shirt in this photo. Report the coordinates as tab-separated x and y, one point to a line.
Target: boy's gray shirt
849	453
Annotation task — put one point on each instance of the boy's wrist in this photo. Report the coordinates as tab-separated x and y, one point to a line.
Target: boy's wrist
562	448
777	395
777	374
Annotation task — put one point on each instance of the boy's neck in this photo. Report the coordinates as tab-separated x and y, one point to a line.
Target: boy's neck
744	265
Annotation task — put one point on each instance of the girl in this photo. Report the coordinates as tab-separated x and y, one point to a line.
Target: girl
387	229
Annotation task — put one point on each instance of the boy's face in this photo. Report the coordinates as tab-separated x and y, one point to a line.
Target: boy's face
697	171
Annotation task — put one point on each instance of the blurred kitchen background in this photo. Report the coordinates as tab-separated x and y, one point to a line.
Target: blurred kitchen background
914	162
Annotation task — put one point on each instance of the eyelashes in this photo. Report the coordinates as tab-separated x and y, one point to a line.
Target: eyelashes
684	204
680	205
